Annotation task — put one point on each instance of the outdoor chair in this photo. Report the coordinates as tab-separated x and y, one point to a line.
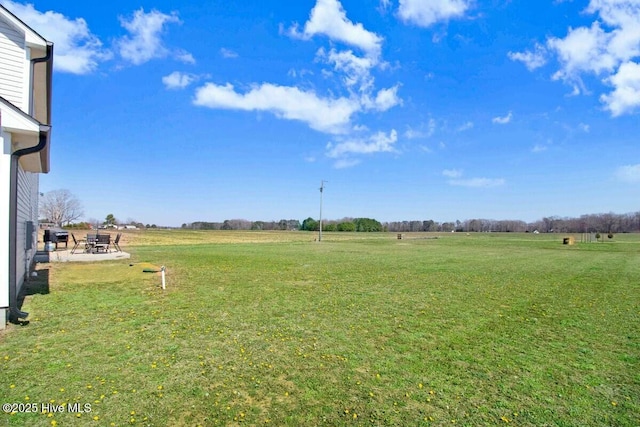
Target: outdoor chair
116	242
102	242
77	243
92	239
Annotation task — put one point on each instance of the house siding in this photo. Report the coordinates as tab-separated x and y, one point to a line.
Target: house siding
5	178
12	65
26	88
27	210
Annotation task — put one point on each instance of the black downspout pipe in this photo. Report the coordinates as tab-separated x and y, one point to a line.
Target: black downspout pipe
14	313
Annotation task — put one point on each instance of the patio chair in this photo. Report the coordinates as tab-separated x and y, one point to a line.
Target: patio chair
116	242
102	242
77	243
92	239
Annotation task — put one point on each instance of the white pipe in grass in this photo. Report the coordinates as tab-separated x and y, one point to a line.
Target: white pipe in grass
164	286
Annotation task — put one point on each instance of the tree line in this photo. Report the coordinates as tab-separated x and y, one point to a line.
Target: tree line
62	208
591	223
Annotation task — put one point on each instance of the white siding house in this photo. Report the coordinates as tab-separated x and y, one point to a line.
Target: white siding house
26	68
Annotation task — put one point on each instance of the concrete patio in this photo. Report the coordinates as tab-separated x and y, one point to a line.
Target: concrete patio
65	255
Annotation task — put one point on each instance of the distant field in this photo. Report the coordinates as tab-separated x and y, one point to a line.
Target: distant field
272	328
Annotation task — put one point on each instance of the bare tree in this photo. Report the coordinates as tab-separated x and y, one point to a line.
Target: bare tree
60	207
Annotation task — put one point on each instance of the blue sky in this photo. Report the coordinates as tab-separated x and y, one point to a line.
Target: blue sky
169	112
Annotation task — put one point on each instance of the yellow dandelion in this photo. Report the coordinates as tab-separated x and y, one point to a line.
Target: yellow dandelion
133	412
420	385
96	418
614	403
12	386
159	387
27	398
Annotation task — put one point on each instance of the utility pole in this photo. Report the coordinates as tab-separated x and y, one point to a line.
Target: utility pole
320	223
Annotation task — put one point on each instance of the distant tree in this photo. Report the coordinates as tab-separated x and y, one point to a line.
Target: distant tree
367	224
60	207
329	227
346	226
309	224
293	224
110	220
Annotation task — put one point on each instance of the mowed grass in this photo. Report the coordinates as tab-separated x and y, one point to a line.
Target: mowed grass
272	328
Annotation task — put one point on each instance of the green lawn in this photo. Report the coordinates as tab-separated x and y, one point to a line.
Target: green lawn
260	328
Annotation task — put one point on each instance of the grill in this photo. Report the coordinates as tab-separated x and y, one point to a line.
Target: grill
56	235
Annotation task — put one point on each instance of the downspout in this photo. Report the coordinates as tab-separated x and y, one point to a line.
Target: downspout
14	313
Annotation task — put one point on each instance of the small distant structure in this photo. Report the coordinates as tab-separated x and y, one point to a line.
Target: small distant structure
569	240
127	227
536	232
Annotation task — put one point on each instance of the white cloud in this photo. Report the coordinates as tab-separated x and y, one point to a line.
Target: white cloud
376	143
539	148
385	5
329	18
178	80
629	173
584	127
531	60
346	163
426	13
608	48
456	179
356	70
452	173
184	56
477	182
465	126
582	50
76	51
228	53
625	98
424	131
331	115
384	100
144	42
503	120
